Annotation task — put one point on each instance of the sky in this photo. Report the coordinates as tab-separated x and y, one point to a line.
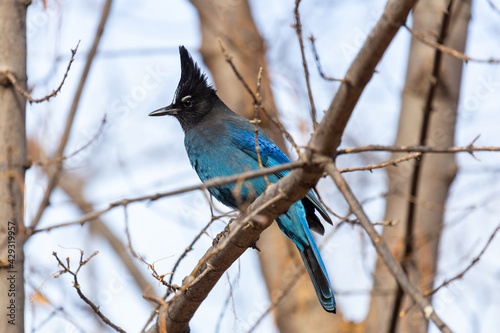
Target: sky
137	70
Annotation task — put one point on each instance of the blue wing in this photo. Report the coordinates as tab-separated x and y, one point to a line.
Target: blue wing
292	223
271	155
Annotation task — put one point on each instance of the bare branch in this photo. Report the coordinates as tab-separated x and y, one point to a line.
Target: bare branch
384	164
461	275
214	182
95	308
160	277
181	257
274	120
493	6
417	149
77	151
383	250
54	176
448	50
127	233
318	62
298	29
256	121
12	78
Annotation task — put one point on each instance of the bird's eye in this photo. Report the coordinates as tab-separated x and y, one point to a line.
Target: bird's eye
187	101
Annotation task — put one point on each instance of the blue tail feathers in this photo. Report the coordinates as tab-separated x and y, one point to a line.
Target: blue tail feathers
319	277
294	226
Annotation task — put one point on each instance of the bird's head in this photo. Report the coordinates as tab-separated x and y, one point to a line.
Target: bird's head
193	98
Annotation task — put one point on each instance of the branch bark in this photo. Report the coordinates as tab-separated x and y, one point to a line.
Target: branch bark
13	164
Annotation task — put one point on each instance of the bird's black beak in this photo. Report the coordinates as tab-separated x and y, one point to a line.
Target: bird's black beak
168	110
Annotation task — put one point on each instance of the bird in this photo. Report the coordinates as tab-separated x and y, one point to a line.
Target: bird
220	142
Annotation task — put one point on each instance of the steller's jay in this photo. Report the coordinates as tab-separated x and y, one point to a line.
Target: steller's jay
220	142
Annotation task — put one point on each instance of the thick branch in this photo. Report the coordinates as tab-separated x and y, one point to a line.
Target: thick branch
384	252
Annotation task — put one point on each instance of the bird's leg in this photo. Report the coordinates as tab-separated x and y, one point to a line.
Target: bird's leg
254	245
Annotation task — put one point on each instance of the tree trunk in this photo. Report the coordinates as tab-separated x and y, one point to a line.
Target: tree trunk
12	164
436	172
232	22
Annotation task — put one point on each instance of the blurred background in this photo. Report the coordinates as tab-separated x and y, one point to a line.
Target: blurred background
121	153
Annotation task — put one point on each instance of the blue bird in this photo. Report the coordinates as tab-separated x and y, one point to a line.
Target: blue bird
220	142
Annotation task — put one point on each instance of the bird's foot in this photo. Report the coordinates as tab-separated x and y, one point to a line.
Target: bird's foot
254	245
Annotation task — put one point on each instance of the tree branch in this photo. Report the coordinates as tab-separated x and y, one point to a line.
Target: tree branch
461	275
394	162
298	30
448	50
54	175
384	252
95	308
12	78
418	149
274	120
214	182
318	62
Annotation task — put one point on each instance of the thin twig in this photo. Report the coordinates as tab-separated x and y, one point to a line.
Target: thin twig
461	275
95	308
190	246
384	164
229	60
417	149
54	176
318	62
448	50
282	129
127	233
298	29
12	78
257	103
274	120
214	182
493	6
98	133
157	276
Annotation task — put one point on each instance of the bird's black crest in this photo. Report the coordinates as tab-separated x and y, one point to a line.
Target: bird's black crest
193	81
